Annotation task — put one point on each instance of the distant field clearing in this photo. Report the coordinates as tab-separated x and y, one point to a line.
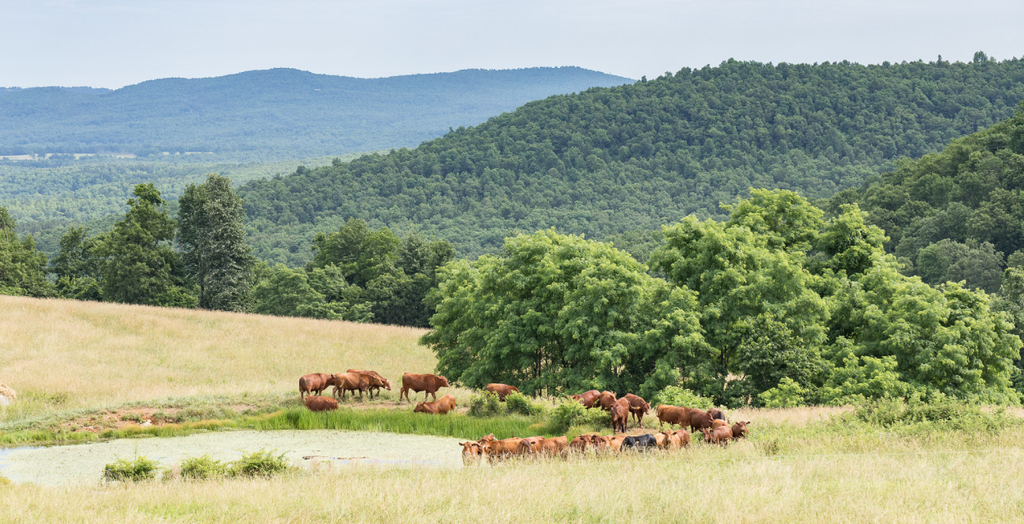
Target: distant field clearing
99	353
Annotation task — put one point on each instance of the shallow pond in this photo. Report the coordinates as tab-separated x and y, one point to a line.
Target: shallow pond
83	463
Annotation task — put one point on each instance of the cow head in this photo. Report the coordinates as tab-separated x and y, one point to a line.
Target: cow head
419	408
387	383
444	381
488	438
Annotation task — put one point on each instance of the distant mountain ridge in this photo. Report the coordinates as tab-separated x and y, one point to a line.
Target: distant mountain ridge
273	113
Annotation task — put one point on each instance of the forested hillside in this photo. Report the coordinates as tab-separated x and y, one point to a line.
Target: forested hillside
608	161
958	214
273	114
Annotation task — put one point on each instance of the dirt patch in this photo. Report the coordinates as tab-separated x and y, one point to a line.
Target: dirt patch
321	449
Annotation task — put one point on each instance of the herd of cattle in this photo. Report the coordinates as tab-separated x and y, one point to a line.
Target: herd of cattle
711	423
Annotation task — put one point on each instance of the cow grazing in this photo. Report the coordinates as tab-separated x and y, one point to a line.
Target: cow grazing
554	446
319	403
620	415
672	415
684	437
720	435
349	382
502	390
313	383
421	382
640	442
699	420
739	430
376	380
638	407
716	414
588	398
437	407
606	400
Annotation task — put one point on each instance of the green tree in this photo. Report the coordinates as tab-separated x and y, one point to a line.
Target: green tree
560	313
78	265
22	266
212	236
140	266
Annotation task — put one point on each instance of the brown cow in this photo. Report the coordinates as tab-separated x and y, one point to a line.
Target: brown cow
502	390
716	414
606	400
684	437
620	415
554	446
668	440
715	423
437	407
349	382
376	380
535	443
505	448
720	435
638	407
319	403
699	420
421	382
583	442
313	382
672	415
588	398
472	452
739	430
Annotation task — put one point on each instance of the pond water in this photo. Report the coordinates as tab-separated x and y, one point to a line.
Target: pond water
83	463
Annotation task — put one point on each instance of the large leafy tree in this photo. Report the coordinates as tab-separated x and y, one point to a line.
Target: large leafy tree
22	266
560	313
77	265
140	265
212	236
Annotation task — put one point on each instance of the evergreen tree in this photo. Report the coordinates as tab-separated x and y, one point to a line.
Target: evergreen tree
139	266
212	236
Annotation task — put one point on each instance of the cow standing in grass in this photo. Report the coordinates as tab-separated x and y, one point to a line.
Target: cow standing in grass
313	383
421	382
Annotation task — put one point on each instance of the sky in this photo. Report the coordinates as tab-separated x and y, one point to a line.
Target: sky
114	43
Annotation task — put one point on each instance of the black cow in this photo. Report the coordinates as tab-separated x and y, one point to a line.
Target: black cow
640	442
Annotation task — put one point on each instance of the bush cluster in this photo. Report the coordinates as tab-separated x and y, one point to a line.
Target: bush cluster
124	470
488	405
943	412
256	464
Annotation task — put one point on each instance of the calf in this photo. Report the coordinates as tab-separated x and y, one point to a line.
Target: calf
720	435
502	390
739	430
684	437
718	423
437	407
505	448
672	415
554	446
472	452
319	403
606	400
620	415
421	382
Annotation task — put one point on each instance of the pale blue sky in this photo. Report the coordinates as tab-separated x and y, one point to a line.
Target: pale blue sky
113	43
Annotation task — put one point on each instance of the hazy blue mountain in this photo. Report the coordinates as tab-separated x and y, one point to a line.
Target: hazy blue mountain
277	113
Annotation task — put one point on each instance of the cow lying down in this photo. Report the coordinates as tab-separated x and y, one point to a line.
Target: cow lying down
438	407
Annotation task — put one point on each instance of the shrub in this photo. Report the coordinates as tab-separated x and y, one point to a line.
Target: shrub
523	405
950	414
677	396
258	464
136	470
486	405
204	467
787	394
570	413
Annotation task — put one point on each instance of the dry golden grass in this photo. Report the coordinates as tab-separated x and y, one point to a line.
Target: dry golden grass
705	484
99	354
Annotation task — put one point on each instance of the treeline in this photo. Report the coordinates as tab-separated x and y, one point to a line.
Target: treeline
776	302
202	259
609	161
954	215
